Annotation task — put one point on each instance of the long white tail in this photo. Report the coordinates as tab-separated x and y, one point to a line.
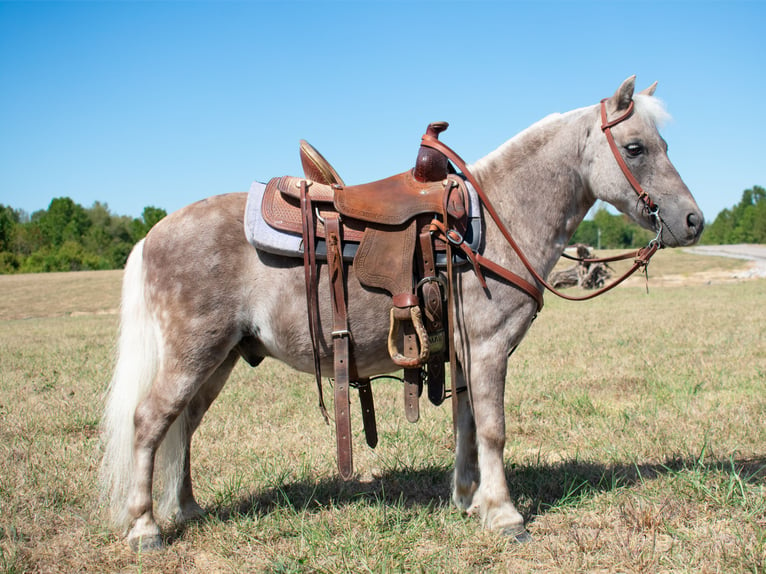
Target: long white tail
138	357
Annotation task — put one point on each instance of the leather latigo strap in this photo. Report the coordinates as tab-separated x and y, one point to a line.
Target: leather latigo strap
413	387
340	335
312	296
342	359
368	412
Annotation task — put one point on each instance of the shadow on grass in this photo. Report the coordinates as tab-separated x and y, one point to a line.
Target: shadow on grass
540	488
535	489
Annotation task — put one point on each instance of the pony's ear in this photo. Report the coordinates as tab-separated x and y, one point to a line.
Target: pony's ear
650	90
623	96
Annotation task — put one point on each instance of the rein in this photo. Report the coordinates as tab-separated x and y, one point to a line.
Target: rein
641	256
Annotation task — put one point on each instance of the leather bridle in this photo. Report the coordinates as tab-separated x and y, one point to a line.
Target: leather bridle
606	127
641	256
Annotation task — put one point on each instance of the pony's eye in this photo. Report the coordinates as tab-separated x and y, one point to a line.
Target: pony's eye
634	149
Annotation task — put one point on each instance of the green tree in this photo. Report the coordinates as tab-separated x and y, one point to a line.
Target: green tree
9	219
586	233
150	216
745	222
609	231
67	237
64	220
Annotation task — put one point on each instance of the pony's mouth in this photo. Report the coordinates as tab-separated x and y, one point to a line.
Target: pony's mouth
667	236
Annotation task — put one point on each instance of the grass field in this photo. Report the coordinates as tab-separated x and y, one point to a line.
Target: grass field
636	432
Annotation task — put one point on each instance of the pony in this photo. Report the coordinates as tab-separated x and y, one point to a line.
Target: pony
197	297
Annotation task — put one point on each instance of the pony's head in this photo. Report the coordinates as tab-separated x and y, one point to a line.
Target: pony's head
630	167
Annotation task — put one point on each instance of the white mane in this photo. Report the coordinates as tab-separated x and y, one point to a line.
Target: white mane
507	148
652	109
649	108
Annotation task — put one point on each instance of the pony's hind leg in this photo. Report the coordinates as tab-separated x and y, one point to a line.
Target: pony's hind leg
178	500
166	401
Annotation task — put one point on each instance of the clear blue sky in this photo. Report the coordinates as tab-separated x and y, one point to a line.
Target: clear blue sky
165	103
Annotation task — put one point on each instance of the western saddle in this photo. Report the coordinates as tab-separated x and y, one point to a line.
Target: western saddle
390	226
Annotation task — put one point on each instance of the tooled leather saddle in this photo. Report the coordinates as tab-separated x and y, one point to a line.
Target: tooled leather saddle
384	229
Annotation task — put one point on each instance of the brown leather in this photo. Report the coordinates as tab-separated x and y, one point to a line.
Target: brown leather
312	299
282	211
318	192
281	207
385	218
340	335
281	201
368	412
384	259
316	167
606	127
431	165
343	429
391	201
412	389
433	311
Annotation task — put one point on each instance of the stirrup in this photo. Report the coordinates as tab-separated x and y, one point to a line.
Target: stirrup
393	333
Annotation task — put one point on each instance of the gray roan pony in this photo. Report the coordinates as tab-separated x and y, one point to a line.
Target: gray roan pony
197	297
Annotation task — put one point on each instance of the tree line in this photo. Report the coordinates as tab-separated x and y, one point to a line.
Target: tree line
69	237
743	223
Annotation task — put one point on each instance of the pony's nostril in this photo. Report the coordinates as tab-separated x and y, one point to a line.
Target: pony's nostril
695	224
693	220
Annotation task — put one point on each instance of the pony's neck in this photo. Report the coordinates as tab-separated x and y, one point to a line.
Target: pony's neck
538	186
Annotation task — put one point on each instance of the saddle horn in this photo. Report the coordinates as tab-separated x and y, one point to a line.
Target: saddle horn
431	164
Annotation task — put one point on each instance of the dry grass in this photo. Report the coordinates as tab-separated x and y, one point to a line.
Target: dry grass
636	443
59	294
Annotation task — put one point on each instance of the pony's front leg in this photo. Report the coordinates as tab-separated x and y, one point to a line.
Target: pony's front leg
487	388
466	478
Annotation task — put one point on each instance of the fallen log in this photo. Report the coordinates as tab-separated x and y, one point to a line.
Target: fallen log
583	274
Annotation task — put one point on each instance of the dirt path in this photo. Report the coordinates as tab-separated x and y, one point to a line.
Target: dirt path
756	254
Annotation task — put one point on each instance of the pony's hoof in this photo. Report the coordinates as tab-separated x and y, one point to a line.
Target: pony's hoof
143	544
518	533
